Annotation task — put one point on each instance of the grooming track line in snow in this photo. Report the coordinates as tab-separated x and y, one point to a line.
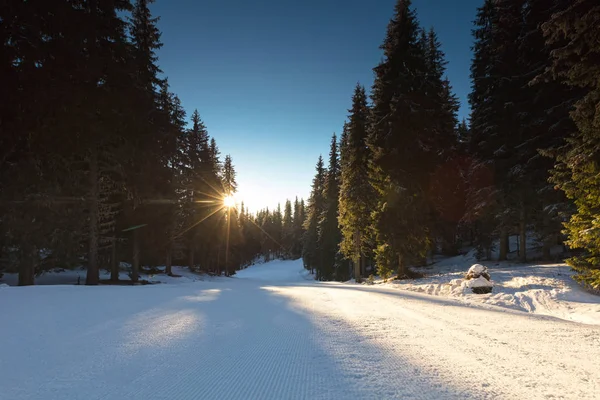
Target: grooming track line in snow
270	333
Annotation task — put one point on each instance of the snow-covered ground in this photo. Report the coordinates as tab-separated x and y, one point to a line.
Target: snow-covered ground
269	333
72	277
540	289
277	271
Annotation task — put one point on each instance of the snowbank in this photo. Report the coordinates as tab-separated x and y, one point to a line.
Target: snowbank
479	282
540	289
72	277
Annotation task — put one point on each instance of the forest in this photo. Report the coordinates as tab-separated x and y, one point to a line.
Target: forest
407	180
98	165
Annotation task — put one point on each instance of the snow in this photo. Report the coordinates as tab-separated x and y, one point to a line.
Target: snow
71	277
478	282
276	271
271	332
477	269
539	289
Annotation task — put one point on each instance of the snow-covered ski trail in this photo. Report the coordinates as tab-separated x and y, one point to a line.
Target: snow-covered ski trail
271	334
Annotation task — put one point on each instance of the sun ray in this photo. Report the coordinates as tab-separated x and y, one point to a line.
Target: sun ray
199	222
217	197
265	232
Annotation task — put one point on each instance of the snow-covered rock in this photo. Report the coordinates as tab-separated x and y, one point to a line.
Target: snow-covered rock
477	269
480	282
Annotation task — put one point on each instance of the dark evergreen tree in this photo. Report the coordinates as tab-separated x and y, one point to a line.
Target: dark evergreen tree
229	181
444	193
357	197
575	37
545	124
329	235
103	79
315	208
145	37
399	170
511	121
497	202
297	230
277	231
288	229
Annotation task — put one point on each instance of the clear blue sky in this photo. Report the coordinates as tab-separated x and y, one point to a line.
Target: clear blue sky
273	79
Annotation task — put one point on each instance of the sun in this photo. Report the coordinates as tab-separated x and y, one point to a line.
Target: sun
229	201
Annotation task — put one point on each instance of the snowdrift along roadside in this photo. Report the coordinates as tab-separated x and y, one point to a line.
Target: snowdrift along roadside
539	289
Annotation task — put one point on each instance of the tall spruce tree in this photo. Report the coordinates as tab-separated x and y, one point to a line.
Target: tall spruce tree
357	197
277	231
545	124
444	192
297	230
288	229
229	180
146	41
109	139
574	35
315	208
497	199
329	235
400	154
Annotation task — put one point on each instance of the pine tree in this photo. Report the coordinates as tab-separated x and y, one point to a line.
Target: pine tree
498	199
155	136
179	209
357	198
400	156
297	231
329	235
288	229
574	35
232	236
229	181
315	208
103	148
546	124
146	41
277	230
444	193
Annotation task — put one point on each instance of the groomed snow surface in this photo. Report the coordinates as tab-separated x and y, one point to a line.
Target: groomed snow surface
272	333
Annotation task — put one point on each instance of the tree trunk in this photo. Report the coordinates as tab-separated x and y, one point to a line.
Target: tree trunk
191	251
401	267
522	237
547	245
169	260
114	263
363	265
135	266
218	271
93	273
549	241
503	251
27	267
357	258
